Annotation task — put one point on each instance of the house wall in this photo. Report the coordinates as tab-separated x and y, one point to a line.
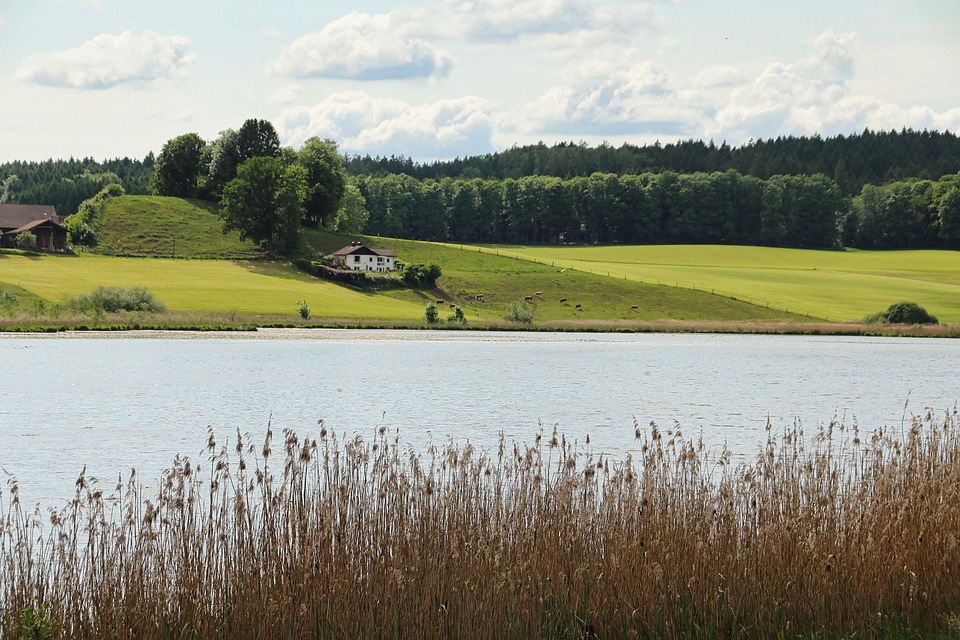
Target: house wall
369	263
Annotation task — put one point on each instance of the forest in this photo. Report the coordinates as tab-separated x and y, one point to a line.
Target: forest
876	189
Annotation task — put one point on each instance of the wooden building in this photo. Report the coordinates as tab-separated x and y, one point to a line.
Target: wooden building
41	220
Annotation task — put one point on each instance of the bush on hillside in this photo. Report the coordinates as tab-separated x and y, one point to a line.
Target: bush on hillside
113	299
520	311
84	225
903	313
419	276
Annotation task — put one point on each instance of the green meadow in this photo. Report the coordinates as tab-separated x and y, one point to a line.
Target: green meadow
838	286
175	248
212	286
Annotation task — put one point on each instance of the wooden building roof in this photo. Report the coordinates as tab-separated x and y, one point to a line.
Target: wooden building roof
14	216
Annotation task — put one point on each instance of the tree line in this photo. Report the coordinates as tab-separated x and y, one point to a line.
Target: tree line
666	208
765	193
67	183
870	157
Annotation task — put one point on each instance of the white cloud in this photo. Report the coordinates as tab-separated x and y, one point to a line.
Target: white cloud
287	95
507	19
361	46
638	99
362	123
802	97
110	60
2	21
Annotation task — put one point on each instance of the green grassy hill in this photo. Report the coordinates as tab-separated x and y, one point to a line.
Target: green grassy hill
169	227
835	285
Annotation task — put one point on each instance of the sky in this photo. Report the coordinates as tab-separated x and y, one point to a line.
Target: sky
439	79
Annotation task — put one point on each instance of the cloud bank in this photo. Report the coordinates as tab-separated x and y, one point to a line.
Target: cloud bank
108	61
361	46
382	126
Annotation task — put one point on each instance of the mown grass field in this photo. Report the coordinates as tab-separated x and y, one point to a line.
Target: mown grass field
833	285
248	287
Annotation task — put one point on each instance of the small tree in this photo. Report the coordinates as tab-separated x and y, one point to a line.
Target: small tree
27	241
431	313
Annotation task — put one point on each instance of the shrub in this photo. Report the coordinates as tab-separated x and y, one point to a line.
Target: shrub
519	311
27	241
431	313
421	276
457	316
304	309
113	299
903	313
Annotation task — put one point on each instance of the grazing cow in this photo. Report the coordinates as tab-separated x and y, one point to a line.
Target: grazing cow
539	294
578	307
479	297
634	308
453	306
439	301
562	300
528	298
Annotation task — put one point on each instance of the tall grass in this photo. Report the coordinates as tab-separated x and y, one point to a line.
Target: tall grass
825	535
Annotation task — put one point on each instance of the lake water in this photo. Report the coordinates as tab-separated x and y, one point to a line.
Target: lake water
115	401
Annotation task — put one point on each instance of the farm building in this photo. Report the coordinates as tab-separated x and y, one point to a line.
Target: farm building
41	220
362	258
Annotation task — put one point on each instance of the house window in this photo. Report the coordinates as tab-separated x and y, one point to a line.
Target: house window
356	258
379	259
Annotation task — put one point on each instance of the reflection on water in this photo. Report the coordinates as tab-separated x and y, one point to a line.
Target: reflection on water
111	402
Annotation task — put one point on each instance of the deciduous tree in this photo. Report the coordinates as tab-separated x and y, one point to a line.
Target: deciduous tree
179	167
265	203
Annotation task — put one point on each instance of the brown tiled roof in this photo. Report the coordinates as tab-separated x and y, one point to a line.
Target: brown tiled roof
364	250
13	216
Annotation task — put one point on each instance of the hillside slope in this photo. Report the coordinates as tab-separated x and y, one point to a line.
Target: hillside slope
169	227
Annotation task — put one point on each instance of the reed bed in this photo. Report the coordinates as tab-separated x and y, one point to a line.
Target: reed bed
830	535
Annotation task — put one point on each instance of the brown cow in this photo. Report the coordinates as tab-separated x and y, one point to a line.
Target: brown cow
562	300
439	301
578	307
634	308
528	298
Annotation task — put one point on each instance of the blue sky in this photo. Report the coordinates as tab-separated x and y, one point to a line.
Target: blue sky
436	79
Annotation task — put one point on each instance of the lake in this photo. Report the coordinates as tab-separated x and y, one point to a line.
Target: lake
109	402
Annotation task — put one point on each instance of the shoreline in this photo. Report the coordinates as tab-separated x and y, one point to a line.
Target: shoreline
200	324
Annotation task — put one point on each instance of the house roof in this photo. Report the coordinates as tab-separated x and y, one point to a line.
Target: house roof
35	223
13	216
359	249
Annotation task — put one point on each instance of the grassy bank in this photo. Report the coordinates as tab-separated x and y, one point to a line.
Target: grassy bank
841	534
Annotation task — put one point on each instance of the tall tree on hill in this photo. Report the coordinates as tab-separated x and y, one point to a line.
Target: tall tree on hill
326	181
179	167
265	203
257	138
224	155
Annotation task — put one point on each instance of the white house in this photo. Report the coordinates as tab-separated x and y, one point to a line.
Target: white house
360	258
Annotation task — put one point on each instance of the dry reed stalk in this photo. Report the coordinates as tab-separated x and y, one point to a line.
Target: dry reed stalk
333	537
